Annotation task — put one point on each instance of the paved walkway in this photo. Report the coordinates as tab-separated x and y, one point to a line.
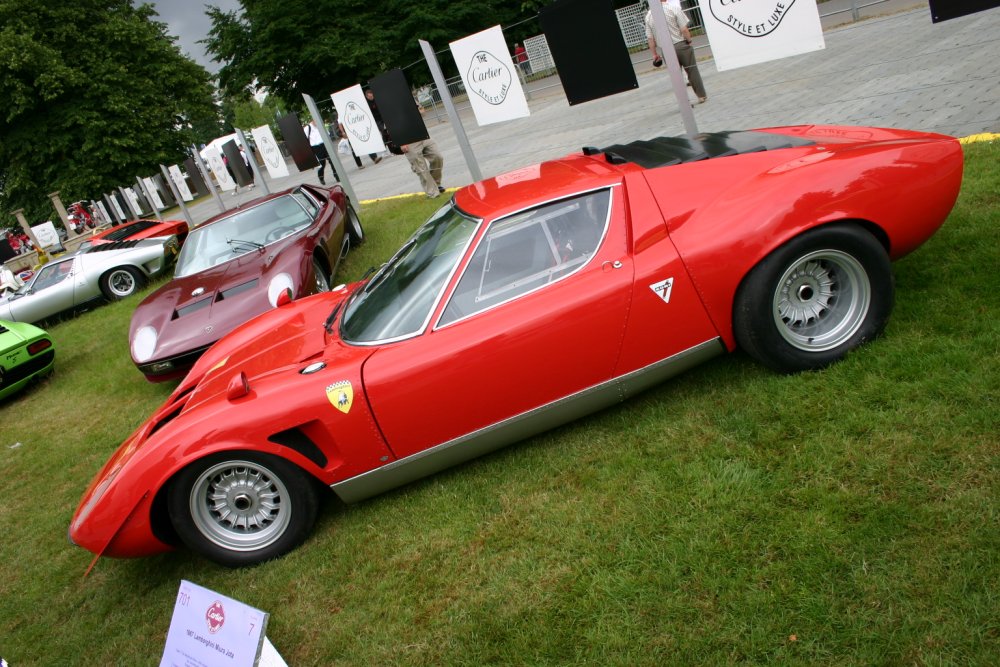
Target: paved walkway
899	71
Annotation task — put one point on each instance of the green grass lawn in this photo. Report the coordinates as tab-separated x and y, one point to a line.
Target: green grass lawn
849	516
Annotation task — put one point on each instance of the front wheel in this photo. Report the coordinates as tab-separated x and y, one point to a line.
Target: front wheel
122	282
355	233
242	508
319	275
814	299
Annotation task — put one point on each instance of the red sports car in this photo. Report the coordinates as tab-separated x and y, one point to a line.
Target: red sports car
234	266
139	229
528	300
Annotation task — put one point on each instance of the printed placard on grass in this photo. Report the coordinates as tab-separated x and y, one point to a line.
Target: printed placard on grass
212	630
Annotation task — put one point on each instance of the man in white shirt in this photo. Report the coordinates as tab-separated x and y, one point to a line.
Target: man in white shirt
681	37
319	150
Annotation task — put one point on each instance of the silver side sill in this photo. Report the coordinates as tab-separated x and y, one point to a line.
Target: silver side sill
525	425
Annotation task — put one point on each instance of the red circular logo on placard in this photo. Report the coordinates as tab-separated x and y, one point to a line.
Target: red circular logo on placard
215	617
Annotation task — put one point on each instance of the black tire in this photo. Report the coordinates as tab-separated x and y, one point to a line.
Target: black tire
355	232
814	299
275	500
122	282
320	276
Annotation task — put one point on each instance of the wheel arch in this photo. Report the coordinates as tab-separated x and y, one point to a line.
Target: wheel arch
872	228
159	515
819	330
126	267
718	291
320	255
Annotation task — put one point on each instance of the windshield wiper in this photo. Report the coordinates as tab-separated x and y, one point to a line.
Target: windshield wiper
389	266
252	244
328	325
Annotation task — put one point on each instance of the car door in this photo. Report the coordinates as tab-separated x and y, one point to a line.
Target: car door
51	292
527	338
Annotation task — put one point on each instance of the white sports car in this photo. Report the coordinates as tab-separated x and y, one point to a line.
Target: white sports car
112	271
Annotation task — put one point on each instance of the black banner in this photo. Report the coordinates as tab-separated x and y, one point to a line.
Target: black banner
194	177
942	10
296	142
6	252
399	111
166	194
234	161
112	212
588	49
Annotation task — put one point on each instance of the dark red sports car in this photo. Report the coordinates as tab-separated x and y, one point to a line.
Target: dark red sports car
528	300
234	266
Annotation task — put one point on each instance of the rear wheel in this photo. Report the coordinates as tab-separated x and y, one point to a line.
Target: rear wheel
122	282
242	508
322	280
355	233
814	299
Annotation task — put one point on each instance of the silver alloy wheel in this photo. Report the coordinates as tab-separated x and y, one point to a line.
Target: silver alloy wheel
240	505
821	300
355	222
121	282
322	283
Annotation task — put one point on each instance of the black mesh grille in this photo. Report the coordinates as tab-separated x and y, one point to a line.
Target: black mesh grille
27	369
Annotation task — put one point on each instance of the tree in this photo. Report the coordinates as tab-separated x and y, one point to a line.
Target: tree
94	93
318	47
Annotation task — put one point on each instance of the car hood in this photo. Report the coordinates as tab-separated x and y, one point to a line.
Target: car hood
283	340
194	311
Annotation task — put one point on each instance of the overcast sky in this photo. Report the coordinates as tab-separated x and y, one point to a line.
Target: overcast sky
186	20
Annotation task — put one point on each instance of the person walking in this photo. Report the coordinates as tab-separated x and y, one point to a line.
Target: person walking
677	25
319	150
424	157
427	163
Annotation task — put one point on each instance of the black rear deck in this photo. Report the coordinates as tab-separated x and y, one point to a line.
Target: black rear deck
665	151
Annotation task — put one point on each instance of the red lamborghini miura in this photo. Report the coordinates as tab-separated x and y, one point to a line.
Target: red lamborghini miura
528	300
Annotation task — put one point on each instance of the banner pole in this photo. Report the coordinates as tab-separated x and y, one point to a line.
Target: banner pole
331	150
258	176
177	195
207	177
673	66
456	122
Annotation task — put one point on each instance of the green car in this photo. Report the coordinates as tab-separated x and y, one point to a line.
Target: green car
26	353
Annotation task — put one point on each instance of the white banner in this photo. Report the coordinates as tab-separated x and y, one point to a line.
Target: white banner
356	117
153	192
133	200
178	178
489	77
118	208
268	149
105	218
46	234
213	156
747	33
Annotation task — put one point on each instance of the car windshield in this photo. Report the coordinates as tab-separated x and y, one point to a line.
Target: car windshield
244	231
398	300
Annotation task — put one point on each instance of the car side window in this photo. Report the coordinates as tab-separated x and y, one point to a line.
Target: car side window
53	274
529	250
308	203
